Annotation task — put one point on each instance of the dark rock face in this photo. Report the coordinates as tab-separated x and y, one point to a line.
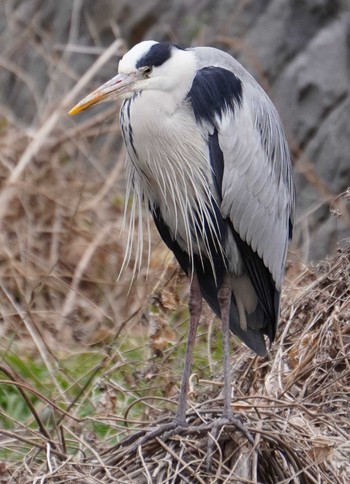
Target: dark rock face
298	49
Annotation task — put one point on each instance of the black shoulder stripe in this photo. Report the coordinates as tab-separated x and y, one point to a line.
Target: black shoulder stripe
214	90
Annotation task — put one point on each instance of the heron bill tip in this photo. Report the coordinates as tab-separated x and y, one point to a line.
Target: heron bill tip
85	103
75	110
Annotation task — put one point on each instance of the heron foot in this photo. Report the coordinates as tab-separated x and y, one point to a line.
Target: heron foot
144	436
228	418
178	426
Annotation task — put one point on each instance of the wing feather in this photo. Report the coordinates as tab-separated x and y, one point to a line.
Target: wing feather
257	189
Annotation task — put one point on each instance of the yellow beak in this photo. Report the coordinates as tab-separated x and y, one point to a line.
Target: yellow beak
112	89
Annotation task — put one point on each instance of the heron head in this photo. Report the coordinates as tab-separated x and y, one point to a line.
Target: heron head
149	65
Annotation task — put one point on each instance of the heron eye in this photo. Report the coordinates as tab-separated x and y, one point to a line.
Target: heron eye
147	70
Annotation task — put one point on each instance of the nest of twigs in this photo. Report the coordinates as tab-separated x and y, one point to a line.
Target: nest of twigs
293	407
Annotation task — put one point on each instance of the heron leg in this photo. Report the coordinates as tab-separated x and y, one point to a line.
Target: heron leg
228	417
224	299
179	425
195	309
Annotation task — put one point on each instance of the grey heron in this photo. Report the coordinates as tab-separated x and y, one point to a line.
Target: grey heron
207	154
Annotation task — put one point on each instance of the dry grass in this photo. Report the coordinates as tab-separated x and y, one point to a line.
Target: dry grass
294	405
86	362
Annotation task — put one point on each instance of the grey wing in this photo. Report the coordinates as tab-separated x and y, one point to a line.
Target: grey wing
257	185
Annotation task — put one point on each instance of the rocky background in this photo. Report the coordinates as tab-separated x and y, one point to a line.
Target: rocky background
298	49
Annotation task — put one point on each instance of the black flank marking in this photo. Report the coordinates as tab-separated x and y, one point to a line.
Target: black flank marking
184	258
163	229
209	286
156	56
214	90
217	225
216	161
290	229
202	267
263	284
